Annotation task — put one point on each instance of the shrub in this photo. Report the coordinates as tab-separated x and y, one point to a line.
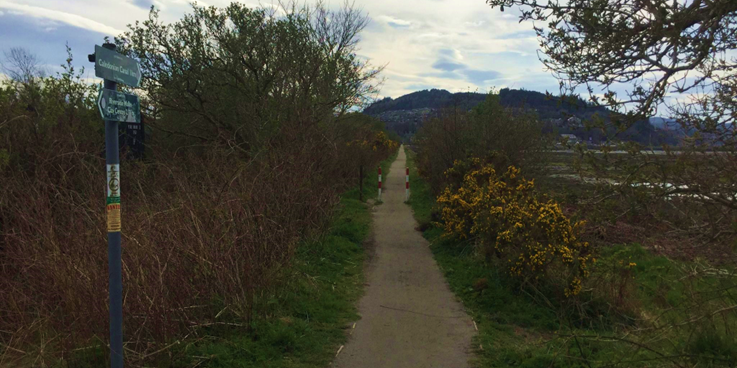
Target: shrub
498	135
211	218
505	218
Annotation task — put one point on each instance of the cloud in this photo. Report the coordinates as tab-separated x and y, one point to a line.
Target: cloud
395	22
68	18
447	44
444	75
475	24
448	66
517	35
451	53
1	13
449	60
479	77
143	4
420	87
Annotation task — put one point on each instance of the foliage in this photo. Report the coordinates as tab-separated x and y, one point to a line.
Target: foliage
673	58
636	309
614	43
307	317
502	215
251	78
372	143
213	218
489	132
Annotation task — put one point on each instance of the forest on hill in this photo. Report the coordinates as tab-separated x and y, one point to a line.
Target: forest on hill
405	115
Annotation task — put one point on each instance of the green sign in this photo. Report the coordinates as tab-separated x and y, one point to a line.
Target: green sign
119	106
116	67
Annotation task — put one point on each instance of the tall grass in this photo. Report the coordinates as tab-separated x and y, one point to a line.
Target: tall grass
209	234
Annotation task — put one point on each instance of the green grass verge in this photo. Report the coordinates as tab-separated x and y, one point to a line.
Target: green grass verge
299	325
305	322
517	330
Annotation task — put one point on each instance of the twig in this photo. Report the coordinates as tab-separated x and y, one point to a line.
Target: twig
13	349
160	350
339	350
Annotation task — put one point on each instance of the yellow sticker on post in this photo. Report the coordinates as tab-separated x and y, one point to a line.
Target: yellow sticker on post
113	217
113	198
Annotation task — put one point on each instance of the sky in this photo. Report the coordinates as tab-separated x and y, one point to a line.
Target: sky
458	45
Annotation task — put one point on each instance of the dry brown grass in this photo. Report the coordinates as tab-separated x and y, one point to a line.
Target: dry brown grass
207	236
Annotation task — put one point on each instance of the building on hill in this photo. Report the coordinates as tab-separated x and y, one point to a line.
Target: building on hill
571	138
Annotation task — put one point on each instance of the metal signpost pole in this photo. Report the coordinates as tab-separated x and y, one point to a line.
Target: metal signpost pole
112	160
115	107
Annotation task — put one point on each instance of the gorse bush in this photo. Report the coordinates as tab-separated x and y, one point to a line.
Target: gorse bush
507	221
379	142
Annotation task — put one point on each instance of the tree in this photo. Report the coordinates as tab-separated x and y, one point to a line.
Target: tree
649	46
22	66
669	57
241	77
491	132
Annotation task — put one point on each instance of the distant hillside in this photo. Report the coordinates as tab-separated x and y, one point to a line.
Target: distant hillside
406	114
440	98
432	99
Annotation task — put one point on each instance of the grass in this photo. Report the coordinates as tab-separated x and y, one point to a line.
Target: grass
302	325
516	329
306	321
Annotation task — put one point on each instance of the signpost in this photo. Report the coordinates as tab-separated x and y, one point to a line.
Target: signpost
115	107
115	67
119	106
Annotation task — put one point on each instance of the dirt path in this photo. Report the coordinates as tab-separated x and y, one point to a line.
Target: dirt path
409	317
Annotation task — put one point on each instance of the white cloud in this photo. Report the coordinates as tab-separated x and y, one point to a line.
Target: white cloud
475	24
394	22
1	13
68	18
407	36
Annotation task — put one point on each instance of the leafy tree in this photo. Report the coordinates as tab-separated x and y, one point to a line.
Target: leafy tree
666	57
240	76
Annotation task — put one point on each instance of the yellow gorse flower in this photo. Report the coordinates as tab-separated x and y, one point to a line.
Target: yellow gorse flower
502	213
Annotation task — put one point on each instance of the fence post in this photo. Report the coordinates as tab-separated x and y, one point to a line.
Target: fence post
406	190
379	183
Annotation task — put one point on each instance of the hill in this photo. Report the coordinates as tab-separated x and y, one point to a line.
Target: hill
405	114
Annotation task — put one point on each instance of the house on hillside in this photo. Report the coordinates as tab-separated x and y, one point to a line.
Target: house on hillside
570	138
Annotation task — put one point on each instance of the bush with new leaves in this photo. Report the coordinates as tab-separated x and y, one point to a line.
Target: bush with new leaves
507	221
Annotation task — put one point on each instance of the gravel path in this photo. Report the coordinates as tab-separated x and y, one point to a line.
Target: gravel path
409	316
